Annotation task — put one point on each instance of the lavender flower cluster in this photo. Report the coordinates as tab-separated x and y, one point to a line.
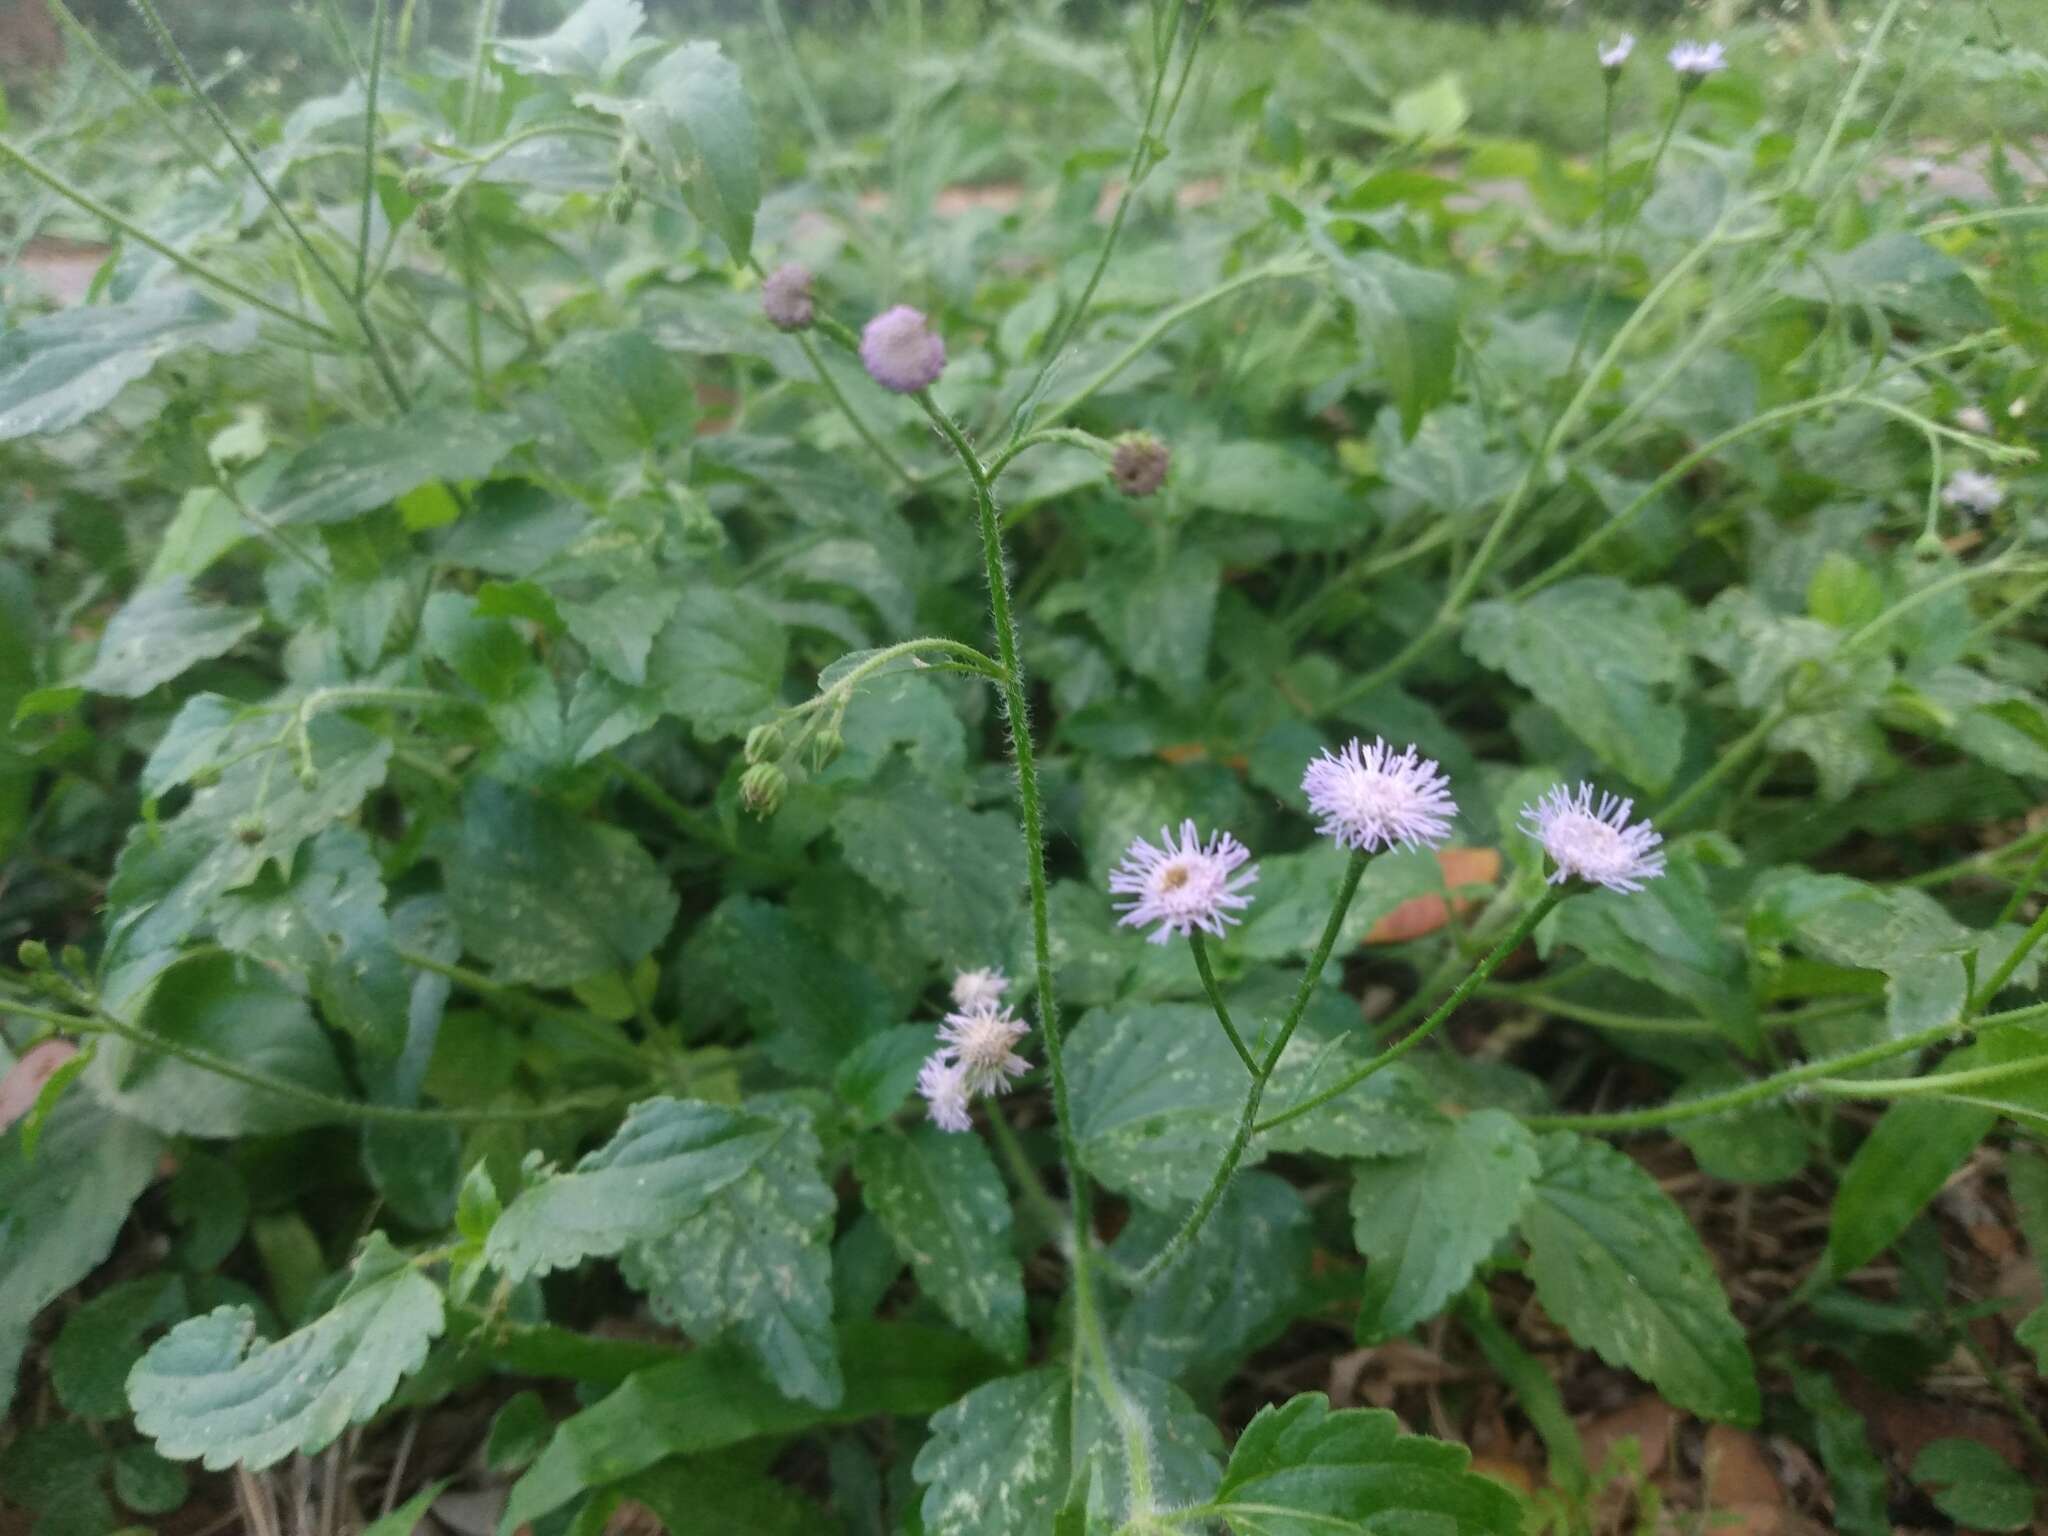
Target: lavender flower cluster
1367	798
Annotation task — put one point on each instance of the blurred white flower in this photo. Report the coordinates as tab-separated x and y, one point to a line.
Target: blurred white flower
1594	843
1695	61
1974	418
982	988
982	1041
1971	490
1615	54
943	1086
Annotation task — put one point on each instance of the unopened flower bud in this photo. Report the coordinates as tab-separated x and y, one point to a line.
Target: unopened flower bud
431	216
1139	464
826	745
34	955
901	351
72	958
419	186
247	829
764	742
786	297
621	203
762	787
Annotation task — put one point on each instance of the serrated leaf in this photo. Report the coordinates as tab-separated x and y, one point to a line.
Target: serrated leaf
349	470
1974	1486
61	1210
998	1461
548	898
1300	1469
754	1260
1158	616
160	632
58	369
1238	1284
595	41
618	626
944	1205
1408	315
879	1073
211	1390
1619	1267
718	662
959	873
1901	1165
102	1340
668	1158
1270	480
1601	656
692	111
1428	1220
1156	1093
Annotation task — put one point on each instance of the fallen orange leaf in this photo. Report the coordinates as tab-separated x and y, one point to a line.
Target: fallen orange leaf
1426	914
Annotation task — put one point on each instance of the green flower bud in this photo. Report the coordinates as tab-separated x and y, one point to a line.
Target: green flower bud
764	743
762	788
34	955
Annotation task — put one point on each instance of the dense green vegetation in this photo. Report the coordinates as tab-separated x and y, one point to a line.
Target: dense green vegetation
527	715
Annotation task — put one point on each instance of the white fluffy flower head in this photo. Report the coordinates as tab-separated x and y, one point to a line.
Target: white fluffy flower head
983	988
1371	797
1971	490
1615	54
1596	843
942	1083
983	1042
1183	886
1695	61
1974	418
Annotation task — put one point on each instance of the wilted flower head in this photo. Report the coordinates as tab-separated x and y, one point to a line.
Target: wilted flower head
1594	843
942	1084
1615	54
1971	490
983	1041
1370	797
1139	464
786	297
1695	61
901	351
1183	885
979	989
1974	418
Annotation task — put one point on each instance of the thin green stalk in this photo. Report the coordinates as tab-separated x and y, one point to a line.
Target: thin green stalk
479	63
1247	1120
2034	934
512	1000
853	418
1036	1195
332	15
1429	1026
1200	948
1602	1018
1068	435
82	35
177	258
1732	756
1780	1083
1657	158
1532	1384
1608	77
2028	881
369	149
692	824
1932	1084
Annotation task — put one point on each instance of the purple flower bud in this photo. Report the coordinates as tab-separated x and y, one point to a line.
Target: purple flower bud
786	297
901	351
1139	464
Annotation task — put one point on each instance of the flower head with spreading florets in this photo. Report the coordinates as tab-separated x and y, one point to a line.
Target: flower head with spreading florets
901	351
1971	490
942	1084
786	297
982	988
1370	797
982	1042
1185	885
1615	54
1695	61
1596	843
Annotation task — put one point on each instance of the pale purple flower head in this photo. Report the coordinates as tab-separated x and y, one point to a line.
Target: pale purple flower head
786	297
942	1083
1370	797
982	988
1184	885
982	1043
1974	418
1595	843
901	351
1695	61
1971	490
1615	54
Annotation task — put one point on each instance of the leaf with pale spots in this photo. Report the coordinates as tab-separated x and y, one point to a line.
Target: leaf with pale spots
210	1389
959	873
943	1204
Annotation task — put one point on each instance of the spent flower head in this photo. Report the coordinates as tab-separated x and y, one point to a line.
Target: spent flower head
942	1084
786	297
1139	464
901	351
1596	843
1971	490
983	988
1615	54
983	1042
1183	885
1371	797
1695	61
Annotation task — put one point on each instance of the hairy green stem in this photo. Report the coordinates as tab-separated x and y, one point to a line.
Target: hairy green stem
853	418
1200	948
377	27
1933	1084
2033	936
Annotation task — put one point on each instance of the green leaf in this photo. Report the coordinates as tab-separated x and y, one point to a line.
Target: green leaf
349	470
692	111
998	1461
713	1398
668	1158
1903	1162
1300	1469
160	632
494	659
147	1483
1238	1284
57	369
958	873
1291	904
405	1520
211	1390
548	898
754	1259
1765	1144
623	394
1426	1221
1975	1486
1615	1262
1431	112
102	1340
879	1073
711	1493
1158	616
618	625
597	40
1408	316
718	663
327	922
945	1207
1156	1093
1271	480
1857	1480
1601	656
1899	272
61	1210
